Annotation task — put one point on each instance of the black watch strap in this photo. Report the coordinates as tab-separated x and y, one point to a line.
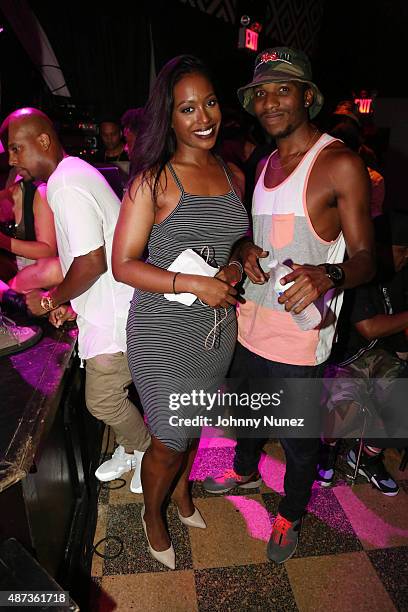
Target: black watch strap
335	273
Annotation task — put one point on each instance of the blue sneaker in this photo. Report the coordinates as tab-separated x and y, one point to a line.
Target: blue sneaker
373	469
326	465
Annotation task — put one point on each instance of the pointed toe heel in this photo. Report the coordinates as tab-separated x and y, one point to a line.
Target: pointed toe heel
195	520
166	557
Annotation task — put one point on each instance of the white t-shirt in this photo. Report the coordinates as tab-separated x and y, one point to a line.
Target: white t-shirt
85	212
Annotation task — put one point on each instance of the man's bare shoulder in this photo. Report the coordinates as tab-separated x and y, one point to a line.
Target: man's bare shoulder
340	163
336	157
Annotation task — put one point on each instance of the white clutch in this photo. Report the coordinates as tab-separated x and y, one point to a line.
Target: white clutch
189	262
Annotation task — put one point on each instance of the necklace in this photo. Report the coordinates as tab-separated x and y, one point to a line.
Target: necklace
298	154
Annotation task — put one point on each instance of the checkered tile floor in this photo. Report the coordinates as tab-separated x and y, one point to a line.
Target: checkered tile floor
353	552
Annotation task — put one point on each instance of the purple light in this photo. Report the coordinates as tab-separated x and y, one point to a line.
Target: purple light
31	369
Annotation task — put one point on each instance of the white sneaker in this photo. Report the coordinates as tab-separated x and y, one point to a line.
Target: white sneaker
136	482
120	463
15	338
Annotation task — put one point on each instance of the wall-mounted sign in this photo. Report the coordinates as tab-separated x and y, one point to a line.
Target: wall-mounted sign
248	39
364	105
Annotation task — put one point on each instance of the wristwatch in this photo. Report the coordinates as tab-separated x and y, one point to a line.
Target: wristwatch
47	303
335	273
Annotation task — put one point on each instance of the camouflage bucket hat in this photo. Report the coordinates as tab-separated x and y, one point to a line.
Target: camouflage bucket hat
280	64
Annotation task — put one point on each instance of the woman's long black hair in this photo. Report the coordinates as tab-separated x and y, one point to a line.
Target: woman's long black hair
156	141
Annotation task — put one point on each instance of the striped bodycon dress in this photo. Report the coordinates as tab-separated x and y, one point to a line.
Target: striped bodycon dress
166	340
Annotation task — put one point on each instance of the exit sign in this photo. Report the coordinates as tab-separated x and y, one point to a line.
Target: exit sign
248	39
364	105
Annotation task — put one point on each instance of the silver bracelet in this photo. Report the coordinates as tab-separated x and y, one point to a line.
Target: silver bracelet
239	266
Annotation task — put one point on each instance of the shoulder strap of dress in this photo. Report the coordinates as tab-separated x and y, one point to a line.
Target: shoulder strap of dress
228	172
29	189
176	178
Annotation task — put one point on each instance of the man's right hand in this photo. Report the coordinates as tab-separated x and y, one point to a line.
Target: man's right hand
250	254
61	314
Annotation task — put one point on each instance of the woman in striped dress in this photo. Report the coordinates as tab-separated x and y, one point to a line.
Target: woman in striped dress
182	197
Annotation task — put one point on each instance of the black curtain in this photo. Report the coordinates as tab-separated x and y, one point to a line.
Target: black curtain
104	52
178	28
21	83
361	46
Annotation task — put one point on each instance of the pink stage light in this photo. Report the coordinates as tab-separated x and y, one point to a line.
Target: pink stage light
256	516
272	472
367	525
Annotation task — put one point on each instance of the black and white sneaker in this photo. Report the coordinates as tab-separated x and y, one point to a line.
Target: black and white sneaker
373	469
327	462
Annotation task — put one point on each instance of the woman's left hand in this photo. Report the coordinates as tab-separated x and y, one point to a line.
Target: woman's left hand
230	274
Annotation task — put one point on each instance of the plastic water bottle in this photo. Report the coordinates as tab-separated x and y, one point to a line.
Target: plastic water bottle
310	317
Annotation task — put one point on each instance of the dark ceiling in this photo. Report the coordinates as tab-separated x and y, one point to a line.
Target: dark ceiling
105	53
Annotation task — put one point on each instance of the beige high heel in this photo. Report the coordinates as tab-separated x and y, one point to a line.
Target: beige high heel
195	520
166	557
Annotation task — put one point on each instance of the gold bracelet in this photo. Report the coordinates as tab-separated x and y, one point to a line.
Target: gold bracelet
47	303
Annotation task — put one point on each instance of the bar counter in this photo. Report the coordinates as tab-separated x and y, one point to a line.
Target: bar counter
49	448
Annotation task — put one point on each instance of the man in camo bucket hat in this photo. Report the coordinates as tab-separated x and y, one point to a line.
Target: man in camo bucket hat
311	194
281	64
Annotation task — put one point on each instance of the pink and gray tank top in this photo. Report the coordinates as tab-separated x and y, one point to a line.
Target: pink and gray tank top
282	226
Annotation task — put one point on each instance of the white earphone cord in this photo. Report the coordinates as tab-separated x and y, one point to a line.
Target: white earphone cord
213	330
